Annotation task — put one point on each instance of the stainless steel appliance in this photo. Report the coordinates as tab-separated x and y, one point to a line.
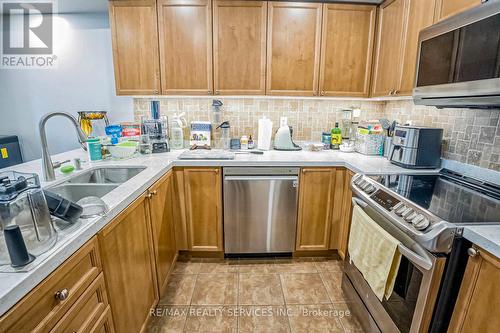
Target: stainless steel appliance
426	213
26	228
260	210
458	60
416	147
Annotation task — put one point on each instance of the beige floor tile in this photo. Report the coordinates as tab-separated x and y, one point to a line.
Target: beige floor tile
349	322
168	319
260	289
304	289
179	289
299	265
328	264
211	320
333	283
216	289
263	319
314	319
256	266
186	267
218	266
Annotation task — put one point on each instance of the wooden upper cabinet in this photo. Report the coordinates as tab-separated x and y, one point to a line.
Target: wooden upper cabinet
162	222
129	269
315	208
447	8
476	309
293	48
239	47
420	15
390	42
135	47
346	50
185	34
203	197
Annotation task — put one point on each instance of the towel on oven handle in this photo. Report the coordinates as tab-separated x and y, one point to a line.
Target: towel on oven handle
374	252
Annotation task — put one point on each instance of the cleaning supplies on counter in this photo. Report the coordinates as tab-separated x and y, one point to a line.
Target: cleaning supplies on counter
130	129
251	144
326	139
177	131
114	132
264	134
336	137
200	133
94	149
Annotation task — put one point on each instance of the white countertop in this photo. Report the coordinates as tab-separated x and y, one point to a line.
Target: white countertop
14	286
485	236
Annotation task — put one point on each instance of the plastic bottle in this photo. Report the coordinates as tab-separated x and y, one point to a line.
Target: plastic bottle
336	136
251	144
177	131
244	142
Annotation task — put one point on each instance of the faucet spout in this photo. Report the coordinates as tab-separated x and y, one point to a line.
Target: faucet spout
47	165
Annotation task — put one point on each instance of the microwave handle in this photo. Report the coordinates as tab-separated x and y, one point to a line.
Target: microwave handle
415	258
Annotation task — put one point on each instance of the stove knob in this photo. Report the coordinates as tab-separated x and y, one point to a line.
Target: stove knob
397	206
407	213
421	224
401	210
369	189
409	218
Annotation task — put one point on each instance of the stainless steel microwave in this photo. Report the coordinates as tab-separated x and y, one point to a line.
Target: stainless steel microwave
459	60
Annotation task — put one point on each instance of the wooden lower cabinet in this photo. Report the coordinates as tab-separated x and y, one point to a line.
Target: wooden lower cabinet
345	223
317	204
46	305
105	323
127	255
203	201
478	302
162	222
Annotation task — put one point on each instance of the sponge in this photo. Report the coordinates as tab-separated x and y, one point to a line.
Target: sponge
65	169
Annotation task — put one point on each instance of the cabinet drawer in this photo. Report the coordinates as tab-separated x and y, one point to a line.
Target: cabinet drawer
45	305
105	323
86	311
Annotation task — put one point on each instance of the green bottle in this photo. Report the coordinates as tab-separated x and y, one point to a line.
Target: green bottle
336	137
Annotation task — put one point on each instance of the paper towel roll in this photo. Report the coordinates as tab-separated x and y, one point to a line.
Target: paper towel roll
264	134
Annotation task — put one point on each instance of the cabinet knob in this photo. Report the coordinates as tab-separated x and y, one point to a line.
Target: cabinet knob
472	252
322	93
209	92
396	92
61	295
156	92
391	92
217	92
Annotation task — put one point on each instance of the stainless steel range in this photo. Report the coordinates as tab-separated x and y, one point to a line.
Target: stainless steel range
426	213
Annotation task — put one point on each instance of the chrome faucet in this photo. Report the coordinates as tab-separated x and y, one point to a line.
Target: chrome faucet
47	164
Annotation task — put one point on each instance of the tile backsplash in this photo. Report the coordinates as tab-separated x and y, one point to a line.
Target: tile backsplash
470	136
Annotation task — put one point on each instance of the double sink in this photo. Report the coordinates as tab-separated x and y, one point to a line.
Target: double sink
95	182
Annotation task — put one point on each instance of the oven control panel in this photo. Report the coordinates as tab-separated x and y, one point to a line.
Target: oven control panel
403	211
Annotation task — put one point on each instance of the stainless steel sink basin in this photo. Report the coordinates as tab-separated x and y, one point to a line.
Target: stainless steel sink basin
106	175
75	192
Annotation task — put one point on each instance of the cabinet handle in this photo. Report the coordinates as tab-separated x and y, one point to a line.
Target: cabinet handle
156	92
216	171
322	93
209	92
472	252
61	295
217	92
396	92
391	92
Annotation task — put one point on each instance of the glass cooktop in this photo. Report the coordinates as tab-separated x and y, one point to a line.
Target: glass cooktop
450	196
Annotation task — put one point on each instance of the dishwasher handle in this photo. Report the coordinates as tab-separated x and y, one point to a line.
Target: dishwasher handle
251	178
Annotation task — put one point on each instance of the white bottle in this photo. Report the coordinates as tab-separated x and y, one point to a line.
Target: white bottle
244	142
177	131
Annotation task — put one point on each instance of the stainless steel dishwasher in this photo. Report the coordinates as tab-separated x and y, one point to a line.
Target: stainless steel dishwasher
260	210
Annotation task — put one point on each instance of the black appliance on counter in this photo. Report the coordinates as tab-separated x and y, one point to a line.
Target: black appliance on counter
10	151
427	214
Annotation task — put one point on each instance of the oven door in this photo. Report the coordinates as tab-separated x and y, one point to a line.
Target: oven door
411	305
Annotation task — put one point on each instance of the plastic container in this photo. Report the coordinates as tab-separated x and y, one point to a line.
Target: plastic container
244	142
123	150
177	131
94	149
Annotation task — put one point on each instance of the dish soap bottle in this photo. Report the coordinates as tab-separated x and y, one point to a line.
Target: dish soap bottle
177	131
336	137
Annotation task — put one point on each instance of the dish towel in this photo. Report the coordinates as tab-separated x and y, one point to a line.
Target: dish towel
374	252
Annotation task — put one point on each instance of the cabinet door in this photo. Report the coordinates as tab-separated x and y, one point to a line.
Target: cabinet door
390	41
448	8
315	208
478	301
135	47
203	191
337	205
162	222
346	50
128	264
345	224
185	30
240	47
293	48
420	16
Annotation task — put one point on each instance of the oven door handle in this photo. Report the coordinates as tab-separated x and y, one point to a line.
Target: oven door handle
417	259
